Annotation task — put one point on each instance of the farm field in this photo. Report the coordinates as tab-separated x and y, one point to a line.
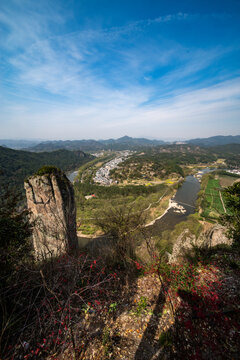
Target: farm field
226	180
213	199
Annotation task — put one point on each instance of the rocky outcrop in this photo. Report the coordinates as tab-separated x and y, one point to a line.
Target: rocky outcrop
183	244
187	241
50	199
217	235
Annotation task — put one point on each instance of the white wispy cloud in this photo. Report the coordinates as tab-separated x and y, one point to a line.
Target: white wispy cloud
198	111
66	63
25	22
104	79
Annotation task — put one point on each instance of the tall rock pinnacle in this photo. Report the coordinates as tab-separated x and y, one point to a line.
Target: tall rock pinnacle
50	199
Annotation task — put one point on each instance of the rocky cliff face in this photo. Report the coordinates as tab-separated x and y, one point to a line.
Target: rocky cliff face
186	241
50	199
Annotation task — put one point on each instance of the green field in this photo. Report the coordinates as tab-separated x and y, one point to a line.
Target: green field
212	203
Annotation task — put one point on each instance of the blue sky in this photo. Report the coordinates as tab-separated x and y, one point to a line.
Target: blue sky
107	68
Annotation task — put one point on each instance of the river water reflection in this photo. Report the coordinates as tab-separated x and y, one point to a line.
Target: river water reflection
71	176
186	197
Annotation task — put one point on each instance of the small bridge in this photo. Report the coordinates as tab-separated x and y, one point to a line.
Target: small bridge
182	203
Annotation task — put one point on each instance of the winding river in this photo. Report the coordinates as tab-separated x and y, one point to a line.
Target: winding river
183	204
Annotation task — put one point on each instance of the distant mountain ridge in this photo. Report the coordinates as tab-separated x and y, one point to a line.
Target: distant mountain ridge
127	142
18	144
215	140
122	143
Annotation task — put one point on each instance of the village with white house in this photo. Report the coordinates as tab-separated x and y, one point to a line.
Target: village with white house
103	174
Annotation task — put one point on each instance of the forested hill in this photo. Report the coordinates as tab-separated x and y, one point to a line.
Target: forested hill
129	143
83	145
16	165
230	152
227	149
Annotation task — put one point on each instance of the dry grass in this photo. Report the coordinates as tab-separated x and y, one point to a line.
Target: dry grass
226	180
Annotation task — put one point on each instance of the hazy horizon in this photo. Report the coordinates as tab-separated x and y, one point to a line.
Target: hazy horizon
99	70
99	139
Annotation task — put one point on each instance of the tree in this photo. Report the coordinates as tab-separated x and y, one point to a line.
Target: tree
232	218
123	225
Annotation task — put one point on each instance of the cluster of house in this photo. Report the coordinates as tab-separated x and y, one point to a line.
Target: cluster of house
98	154
234	171
201	173
103	174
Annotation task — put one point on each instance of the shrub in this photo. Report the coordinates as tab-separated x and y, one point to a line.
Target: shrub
232	219
48	170
15	253
50	301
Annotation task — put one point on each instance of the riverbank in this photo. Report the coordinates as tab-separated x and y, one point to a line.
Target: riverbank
159	217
